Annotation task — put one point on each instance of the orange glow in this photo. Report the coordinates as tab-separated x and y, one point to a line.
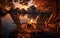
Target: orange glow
7	7
25	17
21	6
45	5
32	21
59	24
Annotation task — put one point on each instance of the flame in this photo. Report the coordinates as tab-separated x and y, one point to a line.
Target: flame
21	6
32	21
26	19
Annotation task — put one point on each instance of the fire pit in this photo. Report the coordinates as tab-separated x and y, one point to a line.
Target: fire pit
28	26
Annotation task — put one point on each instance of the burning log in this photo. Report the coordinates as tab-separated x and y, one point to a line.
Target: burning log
27	28
26	31
29	25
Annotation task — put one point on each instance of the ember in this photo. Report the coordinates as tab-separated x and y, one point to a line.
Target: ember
32	21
